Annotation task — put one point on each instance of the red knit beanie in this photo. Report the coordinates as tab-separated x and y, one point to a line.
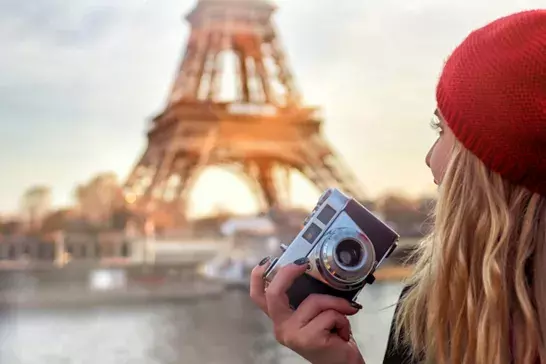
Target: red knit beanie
492	94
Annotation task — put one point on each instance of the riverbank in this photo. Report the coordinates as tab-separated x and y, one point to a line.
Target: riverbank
393	273
139	290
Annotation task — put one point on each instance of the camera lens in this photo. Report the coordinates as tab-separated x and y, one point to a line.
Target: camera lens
349	253
346	257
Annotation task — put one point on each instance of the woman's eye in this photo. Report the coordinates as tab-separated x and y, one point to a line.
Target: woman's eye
436	125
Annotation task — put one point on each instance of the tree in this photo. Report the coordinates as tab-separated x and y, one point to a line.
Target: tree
36	203
55	221
427	205
393	206
426	208
406	214
99	198
11	227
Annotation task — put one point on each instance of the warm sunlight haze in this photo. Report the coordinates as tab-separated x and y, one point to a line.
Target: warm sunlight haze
83	80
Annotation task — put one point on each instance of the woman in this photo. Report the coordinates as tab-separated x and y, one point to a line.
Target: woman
478	294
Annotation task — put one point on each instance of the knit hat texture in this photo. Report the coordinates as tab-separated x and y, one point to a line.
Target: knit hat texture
492	94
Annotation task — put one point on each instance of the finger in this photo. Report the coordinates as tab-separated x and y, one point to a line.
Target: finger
329	323
277	300
257	284
313	305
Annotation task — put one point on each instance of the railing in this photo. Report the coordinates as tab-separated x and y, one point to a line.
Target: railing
252	109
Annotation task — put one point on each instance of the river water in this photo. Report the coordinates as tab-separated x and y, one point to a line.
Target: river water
224	330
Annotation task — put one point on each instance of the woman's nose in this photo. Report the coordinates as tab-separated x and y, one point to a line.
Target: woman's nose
427	158
429	154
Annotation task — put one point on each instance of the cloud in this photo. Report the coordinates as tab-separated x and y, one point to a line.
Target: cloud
79	82
56	22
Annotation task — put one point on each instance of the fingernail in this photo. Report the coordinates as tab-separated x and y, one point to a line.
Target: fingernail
301	261
358	306
264	260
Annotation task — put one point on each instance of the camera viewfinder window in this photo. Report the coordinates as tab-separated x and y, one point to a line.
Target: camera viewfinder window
311	233
326	214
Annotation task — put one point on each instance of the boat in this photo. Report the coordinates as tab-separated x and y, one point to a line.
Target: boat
249	240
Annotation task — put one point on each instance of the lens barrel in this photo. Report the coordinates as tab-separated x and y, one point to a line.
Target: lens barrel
346	257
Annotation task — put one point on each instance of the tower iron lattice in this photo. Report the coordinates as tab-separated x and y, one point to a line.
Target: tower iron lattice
263	130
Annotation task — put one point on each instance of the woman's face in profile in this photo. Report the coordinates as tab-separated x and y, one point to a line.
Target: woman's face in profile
438	156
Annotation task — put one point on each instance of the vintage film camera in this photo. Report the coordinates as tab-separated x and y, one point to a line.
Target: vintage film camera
345	243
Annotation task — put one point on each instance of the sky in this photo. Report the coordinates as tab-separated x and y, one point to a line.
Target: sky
80	80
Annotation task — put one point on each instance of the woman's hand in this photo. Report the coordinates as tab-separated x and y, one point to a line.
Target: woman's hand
318	330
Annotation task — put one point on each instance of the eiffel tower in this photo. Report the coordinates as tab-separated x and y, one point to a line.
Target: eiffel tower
263	130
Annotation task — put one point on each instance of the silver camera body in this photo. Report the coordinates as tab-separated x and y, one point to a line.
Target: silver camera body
345	243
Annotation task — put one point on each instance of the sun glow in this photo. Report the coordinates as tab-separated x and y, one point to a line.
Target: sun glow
220	190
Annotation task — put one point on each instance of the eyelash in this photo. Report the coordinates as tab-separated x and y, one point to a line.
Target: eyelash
435	124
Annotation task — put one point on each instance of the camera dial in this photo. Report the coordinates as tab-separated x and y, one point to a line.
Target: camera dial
324	196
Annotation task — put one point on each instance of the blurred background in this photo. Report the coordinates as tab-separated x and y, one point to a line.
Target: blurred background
154	151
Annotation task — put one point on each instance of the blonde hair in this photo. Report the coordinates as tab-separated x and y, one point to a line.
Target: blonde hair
478	294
